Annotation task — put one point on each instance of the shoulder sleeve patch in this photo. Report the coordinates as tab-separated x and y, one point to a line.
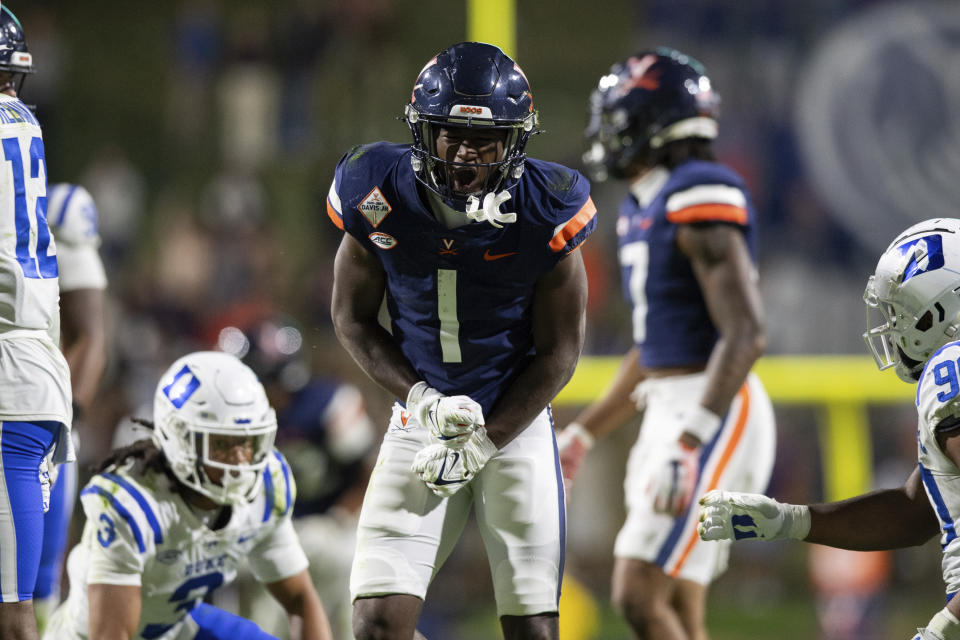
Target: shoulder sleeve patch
708	203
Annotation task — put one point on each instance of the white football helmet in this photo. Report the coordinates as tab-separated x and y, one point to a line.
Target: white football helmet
210	412
915	289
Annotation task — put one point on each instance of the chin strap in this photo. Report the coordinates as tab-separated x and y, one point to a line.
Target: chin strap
490	212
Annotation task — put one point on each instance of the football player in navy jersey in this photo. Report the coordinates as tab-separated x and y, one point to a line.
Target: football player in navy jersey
687	234
459	289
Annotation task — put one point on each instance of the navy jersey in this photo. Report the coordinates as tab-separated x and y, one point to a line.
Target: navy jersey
324	433
671	324
460	299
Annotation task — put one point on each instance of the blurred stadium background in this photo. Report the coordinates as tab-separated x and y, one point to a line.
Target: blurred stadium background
207	132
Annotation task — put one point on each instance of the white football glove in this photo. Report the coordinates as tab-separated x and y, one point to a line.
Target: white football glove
573	443
450	419
942	626
446	470
727	515
674	486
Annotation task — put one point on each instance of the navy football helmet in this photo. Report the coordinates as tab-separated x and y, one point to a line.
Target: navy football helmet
644	102
471	84
15	58
271	345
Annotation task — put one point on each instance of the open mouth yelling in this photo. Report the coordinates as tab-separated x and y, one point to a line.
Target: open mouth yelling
466	179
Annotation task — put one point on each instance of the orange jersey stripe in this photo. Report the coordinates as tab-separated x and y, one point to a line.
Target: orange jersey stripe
708	213
574	225
738	428
334	216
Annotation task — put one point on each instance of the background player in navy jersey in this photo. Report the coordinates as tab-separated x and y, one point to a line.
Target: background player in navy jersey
468	248
687	236
35	399
72	216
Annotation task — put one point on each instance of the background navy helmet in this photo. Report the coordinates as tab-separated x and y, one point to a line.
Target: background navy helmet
14	56
471	84
644	102
271	345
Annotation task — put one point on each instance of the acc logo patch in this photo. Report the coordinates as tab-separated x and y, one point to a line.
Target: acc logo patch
383	240
374	207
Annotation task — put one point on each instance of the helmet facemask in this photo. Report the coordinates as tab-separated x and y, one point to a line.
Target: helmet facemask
436	173
473	86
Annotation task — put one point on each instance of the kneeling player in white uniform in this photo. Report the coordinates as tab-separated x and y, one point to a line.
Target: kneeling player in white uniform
915	289
169	520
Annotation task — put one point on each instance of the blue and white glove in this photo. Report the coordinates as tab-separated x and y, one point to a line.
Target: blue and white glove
727	515
446	470
450	419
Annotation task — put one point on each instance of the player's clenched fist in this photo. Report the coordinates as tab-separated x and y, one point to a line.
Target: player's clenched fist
448	418
674	486
573	443
446	470
727	515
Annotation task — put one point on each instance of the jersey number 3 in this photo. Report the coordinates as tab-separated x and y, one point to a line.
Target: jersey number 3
39	265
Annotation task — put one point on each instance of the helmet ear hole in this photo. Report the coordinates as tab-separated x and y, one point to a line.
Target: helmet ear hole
925	322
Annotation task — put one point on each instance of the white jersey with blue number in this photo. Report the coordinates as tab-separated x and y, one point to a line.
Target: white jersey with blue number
34	378
938	397
139	532
72	216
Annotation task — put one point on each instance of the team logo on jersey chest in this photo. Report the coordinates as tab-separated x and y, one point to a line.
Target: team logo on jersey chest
383	240
374	207
446	247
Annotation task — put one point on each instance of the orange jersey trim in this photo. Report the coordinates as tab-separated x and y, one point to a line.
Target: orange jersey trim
574	225
708	213
738	429
334	216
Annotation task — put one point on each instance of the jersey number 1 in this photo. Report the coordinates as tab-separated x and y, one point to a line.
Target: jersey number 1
41	265
447	312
